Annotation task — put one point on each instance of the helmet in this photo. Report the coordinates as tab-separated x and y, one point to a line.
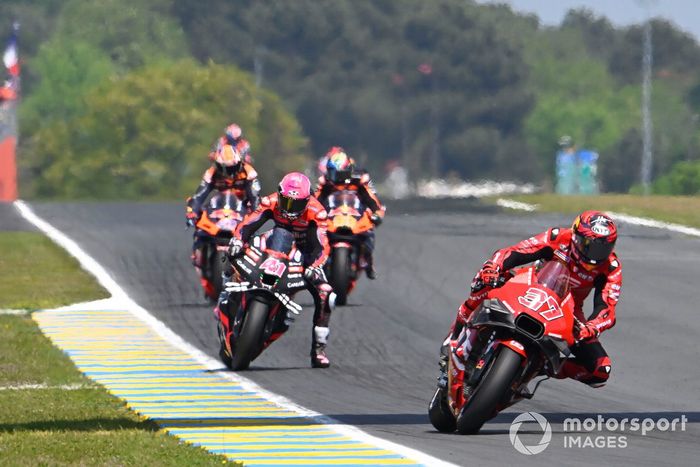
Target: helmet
233	133
228	159
339	166
293	195
566	142
593	237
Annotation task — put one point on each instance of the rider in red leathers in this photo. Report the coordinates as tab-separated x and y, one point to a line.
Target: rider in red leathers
294	208
589	244
341	175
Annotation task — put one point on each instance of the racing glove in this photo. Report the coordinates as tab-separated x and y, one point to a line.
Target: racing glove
234	247
191	217
314	274
376	218
585	331
488	275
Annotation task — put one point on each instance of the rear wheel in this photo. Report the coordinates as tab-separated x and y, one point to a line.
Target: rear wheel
249	341
440	414
340	274
491	390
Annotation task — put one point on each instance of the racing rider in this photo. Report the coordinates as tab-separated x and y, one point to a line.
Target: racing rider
588	245
342	175
228	172
294	208
233	135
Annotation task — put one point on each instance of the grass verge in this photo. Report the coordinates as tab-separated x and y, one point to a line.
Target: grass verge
677	209
36	274
65	419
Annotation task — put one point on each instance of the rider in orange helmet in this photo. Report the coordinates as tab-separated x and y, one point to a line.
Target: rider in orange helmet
228	172
233	135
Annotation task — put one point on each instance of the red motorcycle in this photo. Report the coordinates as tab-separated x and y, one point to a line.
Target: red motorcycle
522	330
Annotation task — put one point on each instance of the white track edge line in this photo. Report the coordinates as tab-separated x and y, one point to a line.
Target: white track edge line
626	218
105	279
512	204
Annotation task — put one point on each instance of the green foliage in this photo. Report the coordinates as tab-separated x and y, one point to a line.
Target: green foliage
682	179
349	70
501	92
146	134
131	32
68	70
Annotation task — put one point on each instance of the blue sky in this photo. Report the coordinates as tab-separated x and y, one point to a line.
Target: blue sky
684	13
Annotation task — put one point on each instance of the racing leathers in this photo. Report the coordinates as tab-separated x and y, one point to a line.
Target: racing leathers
241	145
244	184
361	184
591	363
309	231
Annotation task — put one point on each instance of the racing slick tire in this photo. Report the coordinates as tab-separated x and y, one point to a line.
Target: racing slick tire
490	391
249	342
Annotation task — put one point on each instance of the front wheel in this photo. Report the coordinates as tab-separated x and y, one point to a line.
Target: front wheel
490	391
340	274
249	341
440	414
217	268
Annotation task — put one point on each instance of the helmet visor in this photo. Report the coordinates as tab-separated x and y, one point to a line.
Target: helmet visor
337	176
290	205
593	250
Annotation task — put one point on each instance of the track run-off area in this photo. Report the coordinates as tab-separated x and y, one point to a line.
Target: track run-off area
383	345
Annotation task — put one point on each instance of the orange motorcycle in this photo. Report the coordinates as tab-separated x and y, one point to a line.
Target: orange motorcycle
215	228
348	223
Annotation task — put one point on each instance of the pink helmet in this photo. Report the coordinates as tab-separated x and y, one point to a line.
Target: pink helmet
233	133
293	194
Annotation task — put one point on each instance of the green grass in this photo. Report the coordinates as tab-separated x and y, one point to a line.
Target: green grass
51	425
35	273
677	209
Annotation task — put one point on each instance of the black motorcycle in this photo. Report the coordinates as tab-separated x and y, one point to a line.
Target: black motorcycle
259	307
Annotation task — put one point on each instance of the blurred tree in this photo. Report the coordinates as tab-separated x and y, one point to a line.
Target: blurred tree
350	72
682	179
131	32
146	135
68	70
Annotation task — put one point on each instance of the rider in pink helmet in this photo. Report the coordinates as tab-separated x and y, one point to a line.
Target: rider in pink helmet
293	195
294	208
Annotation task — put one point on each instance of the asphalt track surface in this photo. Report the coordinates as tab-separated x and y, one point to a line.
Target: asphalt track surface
384	345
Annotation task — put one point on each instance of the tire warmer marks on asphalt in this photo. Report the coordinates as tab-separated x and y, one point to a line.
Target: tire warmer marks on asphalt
194	403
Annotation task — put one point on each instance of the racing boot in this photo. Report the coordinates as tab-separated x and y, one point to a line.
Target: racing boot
369	268
318	348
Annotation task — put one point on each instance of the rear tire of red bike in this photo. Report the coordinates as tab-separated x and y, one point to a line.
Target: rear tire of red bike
491	390
441	417
249	342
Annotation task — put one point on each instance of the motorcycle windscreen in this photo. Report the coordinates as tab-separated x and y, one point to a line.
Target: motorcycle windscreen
344	198
556	277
